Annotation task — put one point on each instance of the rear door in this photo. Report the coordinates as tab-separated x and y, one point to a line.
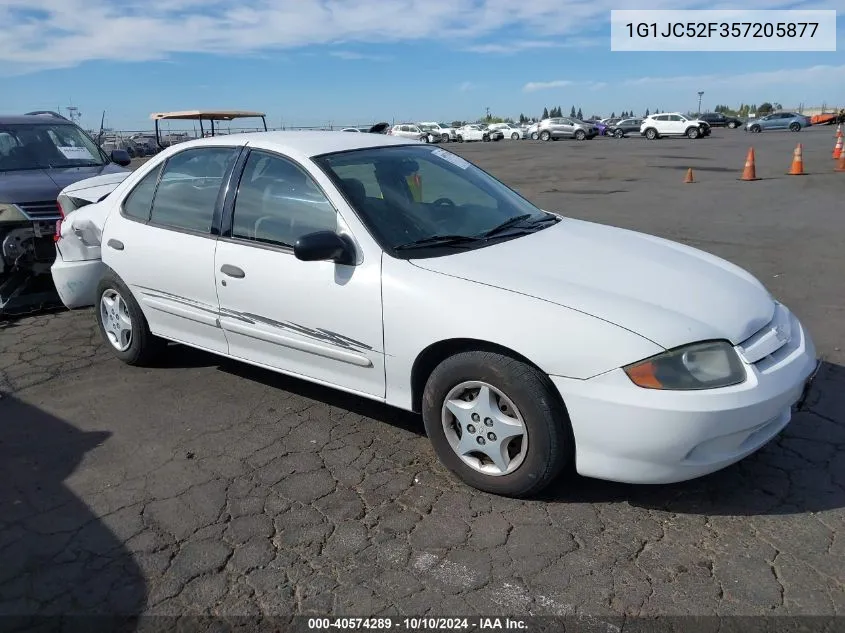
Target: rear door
162	244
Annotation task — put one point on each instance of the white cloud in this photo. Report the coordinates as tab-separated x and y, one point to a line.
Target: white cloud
534	86
352	55
467	86
519	46
43	34
814	75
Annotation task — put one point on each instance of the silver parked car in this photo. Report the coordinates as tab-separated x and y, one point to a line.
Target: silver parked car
779	121
565	127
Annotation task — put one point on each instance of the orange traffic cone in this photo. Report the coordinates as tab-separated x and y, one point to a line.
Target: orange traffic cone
689	177
837	149
797	168
840	164
750	171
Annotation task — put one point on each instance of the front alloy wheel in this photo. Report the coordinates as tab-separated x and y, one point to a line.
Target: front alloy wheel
497	423
651	134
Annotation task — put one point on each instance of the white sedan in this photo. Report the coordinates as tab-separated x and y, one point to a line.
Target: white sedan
530	342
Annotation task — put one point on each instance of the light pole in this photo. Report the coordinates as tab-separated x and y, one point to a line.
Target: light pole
700	94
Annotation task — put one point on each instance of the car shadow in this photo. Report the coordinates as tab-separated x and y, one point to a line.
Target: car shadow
58	558
398	418
800	471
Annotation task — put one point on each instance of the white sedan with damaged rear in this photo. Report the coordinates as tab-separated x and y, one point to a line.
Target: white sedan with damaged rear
530	343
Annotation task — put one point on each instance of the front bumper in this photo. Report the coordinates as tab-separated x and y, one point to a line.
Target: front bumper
629	434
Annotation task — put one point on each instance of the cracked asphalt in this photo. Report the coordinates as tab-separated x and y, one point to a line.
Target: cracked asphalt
203	486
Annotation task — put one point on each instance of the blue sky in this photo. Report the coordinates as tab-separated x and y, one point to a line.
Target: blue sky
311	62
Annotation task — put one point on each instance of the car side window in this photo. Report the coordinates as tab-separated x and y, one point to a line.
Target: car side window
187	192
278	202
138	203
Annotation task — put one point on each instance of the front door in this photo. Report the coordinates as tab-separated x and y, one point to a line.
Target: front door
318	320
161	245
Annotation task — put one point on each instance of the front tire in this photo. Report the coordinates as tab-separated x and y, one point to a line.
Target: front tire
545	136
732	125
651	134
756	129
693	133
794	127
122	324
444	138
514	136
534	136
580	135
619	134
497	423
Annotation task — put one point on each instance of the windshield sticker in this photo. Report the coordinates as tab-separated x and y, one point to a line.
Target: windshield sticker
75	153
451	158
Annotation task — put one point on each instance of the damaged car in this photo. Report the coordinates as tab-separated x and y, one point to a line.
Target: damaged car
40	155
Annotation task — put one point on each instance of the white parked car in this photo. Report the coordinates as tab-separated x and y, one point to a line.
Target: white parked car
441	131
673	124
509	130
408	130
400	272
472	132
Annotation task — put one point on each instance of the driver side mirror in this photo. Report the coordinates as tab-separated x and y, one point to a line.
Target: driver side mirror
324	246
121	157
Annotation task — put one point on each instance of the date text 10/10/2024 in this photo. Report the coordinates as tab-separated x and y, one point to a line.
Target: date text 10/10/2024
418	624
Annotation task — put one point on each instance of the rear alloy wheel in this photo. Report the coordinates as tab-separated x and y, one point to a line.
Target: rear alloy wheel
545	136
580	135
693	133
497	423
122	324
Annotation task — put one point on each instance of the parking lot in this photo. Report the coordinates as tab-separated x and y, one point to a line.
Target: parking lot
205	486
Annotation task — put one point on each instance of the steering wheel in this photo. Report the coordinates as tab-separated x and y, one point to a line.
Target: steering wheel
444	202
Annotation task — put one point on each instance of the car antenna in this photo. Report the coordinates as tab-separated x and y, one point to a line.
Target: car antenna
102	123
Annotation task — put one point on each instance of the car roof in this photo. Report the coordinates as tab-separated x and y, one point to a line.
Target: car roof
32	119
300	144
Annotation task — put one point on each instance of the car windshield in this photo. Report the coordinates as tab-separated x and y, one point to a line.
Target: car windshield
40	146
424	201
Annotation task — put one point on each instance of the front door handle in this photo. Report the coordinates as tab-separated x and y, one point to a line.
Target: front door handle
232	271
115	244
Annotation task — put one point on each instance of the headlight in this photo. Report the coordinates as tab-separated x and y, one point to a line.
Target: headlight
698	366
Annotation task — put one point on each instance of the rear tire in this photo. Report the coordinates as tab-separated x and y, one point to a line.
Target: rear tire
531	407
143	347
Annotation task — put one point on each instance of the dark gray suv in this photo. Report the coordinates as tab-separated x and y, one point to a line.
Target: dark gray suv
40	154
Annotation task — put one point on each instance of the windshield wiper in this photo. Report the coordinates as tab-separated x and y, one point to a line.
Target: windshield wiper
439	240
515	221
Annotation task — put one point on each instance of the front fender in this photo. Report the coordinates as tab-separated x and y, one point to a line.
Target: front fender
423	307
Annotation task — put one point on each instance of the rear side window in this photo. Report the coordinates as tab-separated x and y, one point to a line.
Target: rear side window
138	203
187	192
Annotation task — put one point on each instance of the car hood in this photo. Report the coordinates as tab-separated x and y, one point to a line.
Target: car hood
667	292
94	189
38	185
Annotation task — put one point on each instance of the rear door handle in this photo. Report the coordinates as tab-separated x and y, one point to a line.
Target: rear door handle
232	271
115	244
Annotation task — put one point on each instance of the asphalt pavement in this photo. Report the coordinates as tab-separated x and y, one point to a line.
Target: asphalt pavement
208	487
